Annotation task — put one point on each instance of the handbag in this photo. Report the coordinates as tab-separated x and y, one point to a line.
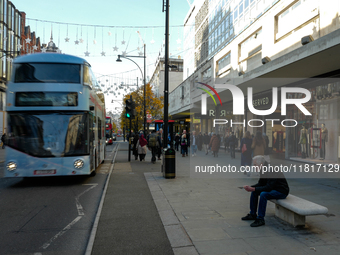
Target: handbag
244	148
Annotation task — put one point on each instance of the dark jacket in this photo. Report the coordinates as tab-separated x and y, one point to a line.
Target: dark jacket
206	139
199	141
247	142
266	150
3	138
134	142
272	181
232	140
159	139
177	139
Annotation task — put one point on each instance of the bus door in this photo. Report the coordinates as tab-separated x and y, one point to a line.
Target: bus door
91	141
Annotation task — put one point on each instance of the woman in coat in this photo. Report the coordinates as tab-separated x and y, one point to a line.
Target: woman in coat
135	148
200	141
259	144
177	141
246	156
214	144
184	144
142	148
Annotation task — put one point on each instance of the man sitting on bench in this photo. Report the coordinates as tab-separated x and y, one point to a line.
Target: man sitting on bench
271	185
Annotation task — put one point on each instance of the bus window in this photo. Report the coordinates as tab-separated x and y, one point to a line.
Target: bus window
47	73
99	128
49	134
87	76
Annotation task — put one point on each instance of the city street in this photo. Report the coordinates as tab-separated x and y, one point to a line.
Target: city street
144	213
81	84
49	215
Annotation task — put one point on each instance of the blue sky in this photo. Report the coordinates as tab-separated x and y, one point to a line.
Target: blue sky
97	19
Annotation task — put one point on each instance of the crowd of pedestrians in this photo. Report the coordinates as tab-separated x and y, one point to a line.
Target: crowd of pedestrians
249	146
189	143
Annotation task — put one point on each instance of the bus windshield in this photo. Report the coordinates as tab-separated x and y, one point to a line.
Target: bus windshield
49	134
47	72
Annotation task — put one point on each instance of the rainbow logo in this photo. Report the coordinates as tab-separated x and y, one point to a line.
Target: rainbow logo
208	92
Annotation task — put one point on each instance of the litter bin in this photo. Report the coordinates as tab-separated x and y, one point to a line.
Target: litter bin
169	163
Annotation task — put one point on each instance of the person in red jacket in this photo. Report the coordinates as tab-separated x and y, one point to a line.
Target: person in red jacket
271	185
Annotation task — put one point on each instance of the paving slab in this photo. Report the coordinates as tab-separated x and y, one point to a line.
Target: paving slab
210	210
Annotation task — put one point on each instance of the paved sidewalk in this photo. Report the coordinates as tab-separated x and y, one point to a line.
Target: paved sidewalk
129	222
210	212
145	213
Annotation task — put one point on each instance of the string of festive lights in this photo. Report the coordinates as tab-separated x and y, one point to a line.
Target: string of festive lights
107	26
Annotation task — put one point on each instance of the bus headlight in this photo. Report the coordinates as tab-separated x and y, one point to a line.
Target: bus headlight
78	164
11	166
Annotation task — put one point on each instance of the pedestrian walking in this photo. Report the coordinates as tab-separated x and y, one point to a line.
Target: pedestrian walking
246	154
210	136
232	143
206	141
160	143
188	144
258	145
225	141
214	144
199	141
177	141
134	147
142	147
184	144
193	143
152	144
266	150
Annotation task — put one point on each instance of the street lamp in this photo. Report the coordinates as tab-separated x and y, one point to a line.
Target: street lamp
128	57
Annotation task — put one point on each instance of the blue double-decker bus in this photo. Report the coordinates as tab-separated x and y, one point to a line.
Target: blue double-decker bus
55	117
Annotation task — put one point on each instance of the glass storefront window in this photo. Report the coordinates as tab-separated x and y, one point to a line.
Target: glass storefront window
5	11
9	17
1	10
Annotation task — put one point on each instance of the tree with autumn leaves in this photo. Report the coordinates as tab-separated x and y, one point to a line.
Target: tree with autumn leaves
154	106
114	127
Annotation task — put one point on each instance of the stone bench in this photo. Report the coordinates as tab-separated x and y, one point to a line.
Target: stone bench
294	209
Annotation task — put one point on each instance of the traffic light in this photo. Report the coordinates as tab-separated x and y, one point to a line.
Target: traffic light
129	108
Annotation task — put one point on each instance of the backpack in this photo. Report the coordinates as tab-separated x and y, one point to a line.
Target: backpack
152	141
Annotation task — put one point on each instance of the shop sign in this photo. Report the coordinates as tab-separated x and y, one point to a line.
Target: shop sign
262	102
238	96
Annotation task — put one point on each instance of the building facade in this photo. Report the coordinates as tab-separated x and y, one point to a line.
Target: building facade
175	75
10	32
15	39
29	42
262	45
